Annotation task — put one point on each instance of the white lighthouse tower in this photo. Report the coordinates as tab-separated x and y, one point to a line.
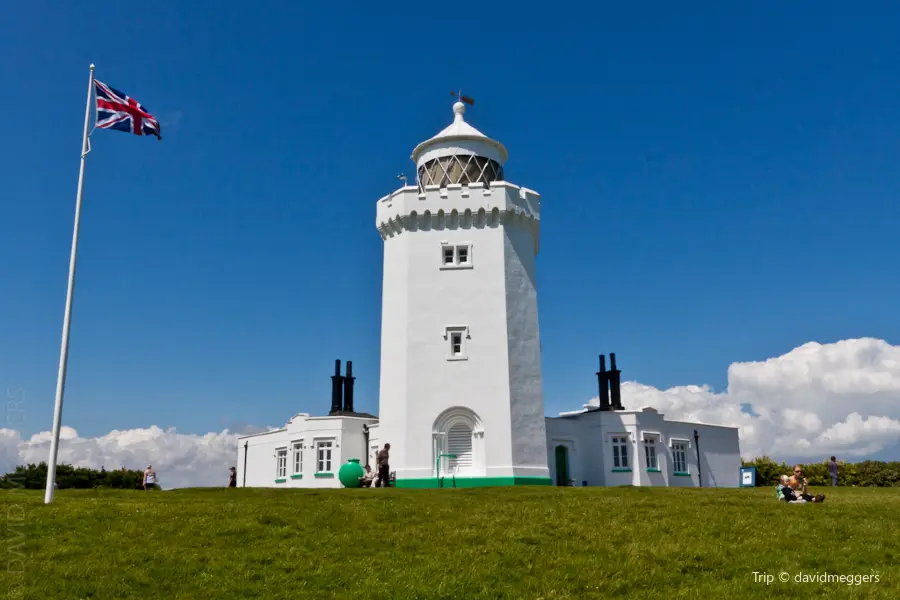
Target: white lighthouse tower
461	399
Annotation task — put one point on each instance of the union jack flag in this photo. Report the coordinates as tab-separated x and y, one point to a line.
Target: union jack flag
117	111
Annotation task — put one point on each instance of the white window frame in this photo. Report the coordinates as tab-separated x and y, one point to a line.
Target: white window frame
620	442
445	250
455	248
297	453
650	451
685	445
281	455
450	331
320	446
373	455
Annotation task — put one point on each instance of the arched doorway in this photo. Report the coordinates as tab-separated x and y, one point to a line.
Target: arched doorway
562	466
458	444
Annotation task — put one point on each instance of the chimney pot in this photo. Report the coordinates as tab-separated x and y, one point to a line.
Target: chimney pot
336	385
615	384
348	388
603	384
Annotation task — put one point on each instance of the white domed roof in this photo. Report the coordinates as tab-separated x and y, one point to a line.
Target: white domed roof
459	136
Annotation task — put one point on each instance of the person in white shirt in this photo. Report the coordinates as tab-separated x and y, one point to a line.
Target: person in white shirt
368	479
150	478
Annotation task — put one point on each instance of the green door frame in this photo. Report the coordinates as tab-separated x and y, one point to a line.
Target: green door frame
562	465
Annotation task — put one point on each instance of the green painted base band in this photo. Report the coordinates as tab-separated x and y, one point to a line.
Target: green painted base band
297	476
470	482
324	475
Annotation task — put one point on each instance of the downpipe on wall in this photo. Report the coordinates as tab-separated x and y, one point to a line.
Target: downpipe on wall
246	445
699	467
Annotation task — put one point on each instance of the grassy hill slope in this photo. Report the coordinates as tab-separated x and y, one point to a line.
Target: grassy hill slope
517	543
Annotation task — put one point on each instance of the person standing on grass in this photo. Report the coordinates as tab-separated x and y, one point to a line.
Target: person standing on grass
150	478
832	470
384	469
232	477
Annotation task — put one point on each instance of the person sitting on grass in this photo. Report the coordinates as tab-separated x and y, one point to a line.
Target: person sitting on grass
366	480
794	489
783	490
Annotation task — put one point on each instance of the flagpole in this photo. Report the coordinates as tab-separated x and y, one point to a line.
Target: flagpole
67	318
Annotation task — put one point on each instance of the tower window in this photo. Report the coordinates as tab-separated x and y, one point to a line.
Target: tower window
456	256
456	341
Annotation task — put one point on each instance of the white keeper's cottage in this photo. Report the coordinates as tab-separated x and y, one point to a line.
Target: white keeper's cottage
461	398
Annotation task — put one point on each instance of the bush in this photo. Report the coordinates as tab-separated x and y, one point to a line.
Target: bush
34	477
868	473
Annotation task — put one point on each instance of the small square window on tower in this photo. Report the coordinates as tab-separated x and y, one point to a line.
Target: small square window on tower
462	255
456	256
447	253
456	343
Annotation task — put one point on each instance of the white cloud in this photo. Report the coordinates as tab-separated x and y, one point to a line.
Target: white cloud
817	400
181	460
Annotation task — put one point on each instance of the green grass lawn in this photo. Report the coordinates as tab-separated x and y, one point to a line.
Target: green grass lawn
517	543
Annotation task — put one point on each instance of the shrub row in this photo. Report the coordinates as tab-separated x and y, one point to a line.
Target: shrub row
868	473
34	477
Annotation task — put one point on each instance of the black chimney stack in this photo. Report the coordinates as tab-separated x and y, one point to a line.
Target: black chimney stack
348	388
603	384
336	384
614	380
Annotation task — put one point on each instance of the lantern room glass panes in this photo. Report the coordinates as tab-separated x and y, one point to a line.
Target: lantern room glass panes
466	169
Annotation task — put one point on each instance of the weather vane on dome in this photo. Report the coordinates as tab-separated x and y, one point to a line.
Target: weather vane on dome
461	98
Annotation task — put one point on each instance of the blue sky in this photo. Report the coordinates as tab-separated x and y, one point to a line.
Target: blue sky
719	184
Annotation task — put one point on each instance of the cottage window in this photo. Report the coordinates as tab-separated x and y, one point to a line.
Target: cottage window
650	453
323	456
298	457
620	452
679	457
280	463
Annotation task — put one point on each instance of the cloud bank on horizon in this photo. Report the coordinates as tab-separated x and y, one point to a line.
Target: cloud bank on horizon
819	399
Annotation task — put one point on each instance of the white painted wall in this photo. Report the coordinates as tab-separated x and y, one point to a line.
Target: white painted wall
496	299
588	438
345	433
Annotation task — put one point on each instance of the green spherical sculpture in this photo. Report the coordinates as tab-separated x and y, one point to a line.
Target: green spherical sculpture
350	473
